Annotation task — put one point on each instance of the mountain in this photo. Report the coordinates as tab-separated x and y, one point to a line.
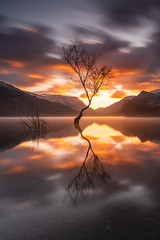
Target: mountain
157	91
15	102
73	102
115	108
144	104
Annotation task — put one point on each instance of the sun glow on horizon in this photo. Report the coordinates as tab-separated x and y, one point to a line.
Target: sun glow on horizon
104	98
58	85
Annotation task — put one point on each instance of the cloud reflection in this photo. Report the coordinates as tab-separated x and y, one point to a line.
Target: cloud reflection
34	177
127	156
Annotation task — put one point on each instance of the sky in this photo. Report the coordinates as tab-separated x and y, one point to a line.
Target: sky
125	32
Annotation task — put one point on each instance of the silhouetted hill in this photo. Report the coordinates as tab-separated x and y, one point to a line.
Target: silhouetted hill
14	102
114	109
73	102
144	104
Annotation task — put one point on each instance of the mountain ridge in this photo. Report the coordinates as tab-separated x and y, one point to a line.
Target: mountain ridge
15	102
144	104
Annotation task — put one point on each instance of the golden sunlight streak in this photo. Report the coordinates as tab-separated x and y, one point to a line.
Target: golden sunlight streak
96	41
99	131
63	67
112	93
106	135
68	164
102	100
120	72
35	76
44	86
27	29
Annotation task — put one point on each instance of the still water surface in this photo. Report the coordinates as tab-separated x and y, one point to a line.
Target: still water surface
57	188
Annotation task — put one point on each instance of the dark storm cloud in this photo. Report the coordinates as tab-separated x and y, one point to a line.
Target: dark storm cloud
138	58
2	19
3	22
128	12
25	45
115	19
24	51
82	31
144	58
155	48
19	79
110	44
105	42
98	40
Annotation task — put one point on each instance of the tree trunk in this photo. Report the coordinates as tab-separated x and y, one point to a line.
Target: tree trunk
77	119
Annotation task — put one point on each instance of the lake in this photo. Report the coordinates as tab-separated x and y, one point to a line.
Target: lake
101	184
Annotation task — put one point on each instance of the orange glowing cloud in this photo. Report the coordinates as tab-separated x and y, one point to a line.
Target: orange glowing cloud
92	41
63	67
126	71
83	95
17	169
39	87
4	71
28	29
35	157
95	41
65	165
118	94
34	76
15	64
5	162
118	138
111	146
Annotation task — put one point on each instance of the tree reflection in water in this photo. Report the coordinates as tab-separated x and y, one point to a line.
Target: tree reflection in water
91	172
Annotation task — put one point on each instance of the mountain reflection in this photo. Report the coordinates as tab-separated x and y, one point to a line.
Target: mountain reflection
12	132
145	129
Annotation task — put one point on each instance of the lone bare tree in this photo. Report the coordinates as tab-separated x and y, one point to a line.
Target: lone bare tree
92	77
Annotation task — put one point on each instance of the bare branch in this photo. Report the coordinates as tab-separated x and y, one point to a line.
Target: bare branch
83	63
